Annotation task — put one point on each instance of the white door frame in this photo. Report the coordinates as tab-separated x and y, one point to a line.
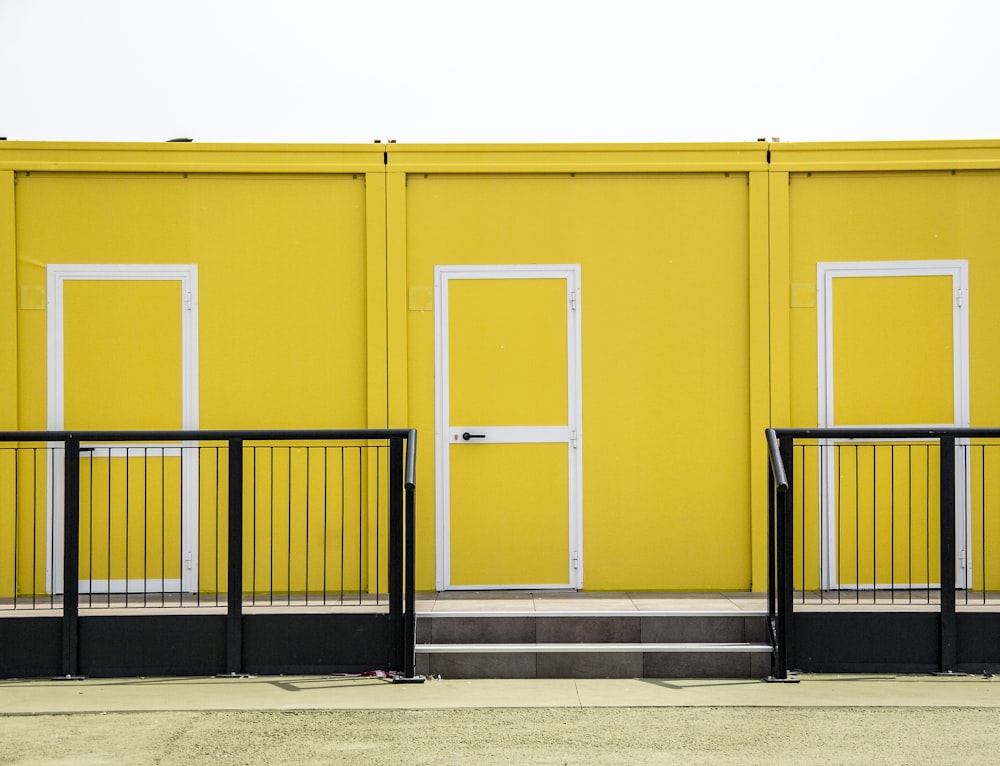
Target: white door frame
57	276
571	434
958	271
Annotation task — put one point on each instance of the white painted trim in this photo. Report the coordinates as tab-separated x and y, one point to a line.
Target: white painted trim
57	274
510	434
537	586
826	272
132	587
445	432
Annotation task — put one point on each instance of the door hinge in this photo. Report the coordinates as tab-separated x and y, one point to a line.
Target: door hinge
572	439
188	300
189	560
575	558
572	300
959	298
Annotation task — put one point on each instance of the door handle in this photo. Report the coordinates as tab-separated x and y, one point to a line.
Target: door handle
466	436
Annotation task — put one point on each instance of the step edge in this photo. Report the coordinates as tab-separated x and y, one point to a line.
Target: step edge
592	613
718	648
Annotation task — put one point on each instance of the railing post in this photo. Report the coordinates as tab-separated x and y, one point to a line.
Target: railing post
234	593
397	628
410	633
948	621
71	560
772	611
784	564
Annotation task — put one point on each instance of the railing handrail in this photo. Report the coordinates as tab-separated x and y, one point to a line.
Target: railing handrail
886	432
777	464
209	435
410	475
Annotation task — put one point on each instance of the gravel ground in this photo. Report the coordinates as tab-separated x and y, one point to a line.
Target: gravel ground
633	736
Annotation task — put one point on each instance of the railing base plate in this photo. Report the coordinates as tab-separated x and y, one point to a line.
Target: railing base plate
790	679
69	678
408	680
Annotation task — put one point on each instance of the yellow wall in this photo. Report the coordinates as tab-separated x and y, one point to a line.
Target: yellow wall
903	215
665	352
697	267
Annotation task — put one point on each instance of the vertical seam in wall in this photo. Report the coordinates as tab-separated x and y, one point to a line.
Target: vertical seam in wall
385	281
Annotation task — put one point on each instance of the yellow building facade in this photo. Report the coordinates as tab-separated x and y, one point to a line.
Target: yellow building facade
590	340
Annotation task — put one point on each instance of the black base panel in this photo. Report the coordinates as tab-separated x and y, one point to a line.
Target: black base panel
30	647
316	643
865	642
195	645
978	641
170	644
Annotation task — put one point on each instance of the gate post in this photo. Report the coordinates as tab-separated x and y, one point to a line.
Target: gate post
410	605
948	622
784	563
234	593
71	560
397	629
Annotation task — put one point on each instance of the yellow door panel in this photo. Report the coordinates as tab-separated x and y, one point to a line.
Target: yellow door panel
893	350
122	341
507	347
123	370
509	520
893	364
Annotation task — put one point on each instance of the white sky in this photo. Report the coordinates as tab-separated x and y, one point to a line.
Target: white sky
518	70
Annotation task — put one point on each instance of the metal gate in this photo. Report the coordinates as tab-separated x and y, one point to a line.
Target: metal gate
301	559
884	550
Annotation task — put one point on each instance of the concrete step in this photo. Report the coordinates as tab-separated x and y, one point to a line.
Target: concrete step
593	644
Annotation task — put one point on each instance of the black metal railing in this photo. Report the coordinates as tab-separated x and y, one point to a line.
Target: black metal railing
185	520
886	519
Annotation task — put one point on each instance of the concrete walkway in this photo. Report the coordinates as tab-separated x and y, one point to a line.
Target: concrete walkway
277	693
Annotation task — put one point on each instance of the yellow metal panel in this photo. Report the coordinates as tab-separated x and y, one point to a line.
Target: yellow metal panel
308	537
664	307
579	158
503	528
889	333
759	372
8	305
979	232
282	300
885	155
122	343
984	473
888	217
507	349
376	299
780	328
282	266
24	475
190	157
397	347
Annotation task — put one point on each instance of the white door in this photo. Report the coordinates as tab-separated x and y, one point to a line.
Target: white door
123	355
508	430
893	344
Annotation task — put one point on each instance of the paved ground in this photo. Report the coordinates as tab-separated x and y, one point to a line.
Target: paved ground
314	719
